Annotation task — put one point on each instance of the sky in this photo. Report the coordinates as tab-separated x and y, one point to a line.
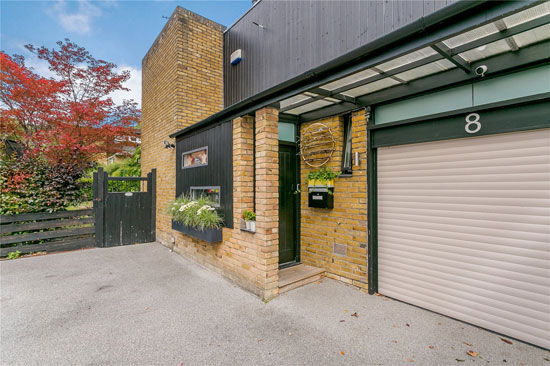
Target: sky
119	31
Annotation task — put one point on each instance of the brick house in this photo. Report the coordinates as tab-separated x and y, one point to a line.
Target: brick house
436	114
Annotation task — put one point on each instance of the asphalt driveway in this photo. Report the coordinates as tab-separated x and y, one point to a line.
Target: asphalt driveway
143	305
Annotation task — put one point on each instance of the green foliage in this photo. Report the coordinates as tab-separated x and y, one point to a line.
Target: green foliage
249	215
36	185
198	214
324	174
14	255
87	186
129	167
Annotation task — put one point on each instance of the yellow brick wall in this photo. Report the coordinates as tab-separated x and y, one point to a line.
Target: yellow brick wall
182	84
346	224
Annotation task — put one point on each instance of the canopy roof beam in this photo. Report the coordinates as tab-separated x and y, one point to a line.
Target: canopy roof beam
505	33
458	61
531	55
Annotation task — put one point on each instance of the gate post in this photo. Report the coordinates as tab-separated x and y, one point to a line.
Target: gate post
99	205
152	188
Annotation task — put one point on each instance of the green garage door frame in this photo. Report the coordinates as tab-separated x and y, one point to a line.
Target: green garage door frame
521	114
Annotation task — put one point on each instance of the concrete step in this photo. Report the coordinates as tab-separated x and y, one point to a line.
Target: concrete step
298	276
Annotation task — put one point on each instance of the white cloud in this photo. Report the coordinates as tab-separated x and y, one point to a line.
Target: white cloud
78	21
134	84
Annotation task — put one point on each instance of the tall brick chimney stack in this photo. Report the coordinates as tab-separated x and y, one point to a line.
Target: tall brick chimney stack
182	83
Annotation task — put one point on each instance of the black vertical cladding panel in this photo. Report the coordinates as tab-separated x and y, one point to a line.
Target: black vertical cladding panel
136	218
439	4
218	172
99	201
124	218
388	23
130	215
114	207
417	11
152	189
300	35
429	6
127	218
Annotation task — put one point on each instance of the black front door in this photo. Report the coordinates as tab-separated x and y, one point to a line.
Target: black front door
288	204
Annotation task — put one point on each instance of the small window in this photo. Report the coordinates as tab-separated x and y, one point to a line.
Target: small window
212	193
195	158
346	151
287	132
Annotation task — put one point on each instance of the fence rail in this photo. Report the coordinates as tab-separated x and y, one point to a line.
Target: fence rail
44	231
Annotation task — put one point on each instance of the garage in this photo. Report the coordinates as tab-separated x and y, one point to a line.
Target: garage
464	230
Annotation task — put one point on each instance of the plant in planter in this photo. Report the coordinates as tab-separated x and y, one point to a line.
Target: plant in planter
323	177
198	214
197	218
250	220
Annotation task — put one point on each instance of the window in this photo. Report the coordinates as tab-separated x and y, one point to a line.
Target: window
212	193
195	158
346	151
287	132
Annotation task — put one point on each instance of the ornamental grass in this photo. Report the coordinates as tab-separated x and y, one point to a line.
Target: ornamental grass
198	213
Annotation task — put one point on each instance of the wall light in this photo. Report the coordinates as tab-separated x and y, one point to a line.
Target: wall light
168	145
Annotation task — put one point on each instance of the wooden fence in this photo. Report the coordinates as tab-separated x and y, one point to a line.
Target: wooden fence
45	231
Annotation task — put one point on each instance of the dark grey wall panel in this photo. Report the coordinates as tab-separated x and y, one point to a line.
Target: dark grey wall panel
218	172
301	35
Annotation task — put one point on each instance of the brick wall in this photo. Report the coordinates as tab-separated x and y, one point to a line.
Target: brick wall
249	259
325	233
182	84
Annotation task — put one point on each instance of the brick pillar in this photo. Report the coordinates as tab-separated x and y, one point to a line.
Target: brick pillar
267	197
243	167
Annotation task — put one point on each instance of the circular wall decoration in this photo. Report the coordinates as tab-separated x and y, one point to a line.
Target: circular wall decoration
317	145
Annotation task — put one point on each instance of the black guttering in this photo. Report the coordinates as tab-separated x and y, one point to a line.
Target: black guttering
273	94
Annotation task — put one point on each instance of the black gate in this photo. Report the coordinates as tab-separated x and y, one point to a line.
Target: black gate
124	209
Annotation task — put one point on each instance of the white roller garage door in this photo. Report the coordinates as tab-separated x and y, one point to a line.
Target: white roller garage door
464	230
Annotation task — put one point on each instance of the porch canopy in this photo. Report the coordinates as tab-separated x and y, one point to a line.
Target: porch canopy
510	36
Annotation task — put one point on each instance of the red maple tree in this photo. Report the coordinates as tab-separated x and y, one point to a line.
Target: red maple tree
71	117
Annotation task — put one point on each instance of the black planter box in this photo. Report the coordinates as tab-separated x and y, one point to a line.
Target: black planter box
321	197
208	235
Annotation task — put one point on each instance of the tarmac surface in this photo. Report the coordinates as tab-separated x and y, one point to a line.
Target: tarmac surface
145	305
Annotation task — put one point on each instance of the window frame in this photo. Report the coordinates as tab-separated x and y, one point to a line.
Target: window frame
348	141
198	188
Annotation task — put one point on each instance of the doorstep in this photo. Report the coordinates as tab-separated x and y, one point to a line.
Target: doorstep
297	276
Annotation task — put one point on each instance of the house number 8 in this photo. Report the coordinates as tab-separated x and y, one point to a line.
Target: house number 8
472	123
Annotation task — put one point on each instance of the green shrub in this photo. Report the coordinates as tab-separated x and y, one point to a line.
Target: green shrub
199	214
14	255
87	186
129	167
